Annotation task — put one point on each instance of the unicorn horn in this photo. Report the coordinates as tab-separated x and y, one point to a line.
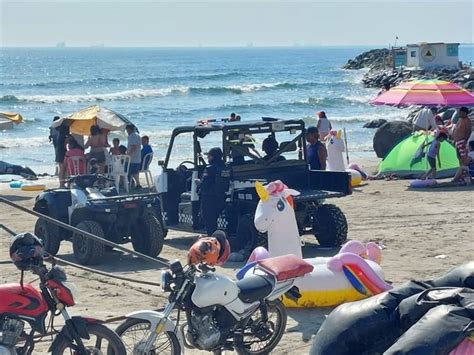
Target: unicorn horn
261	192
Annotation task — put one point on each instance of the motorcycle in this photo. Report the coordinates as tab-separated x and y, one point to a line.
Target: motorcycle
221	314
23	313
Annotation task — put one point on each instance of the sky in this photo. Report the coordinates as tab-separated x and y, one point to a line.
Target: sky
233	23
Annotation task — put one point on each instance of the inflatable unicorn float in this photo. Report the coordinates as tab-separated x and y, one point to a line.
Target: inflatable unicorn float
335	147
353	274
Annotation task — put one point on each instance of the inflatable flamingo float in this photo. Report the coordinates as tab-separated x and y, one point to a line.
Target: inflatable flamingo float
353	274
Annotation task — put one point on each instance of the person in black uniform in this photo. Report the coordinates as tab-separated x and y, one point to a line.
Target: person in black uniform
212	188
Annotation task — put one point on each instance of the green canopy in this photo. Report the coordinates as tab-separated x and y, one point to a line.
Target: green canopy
400	160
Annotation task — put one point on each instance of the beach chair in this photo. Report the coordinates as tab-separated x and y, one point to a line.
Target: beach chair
76	166
145	169
119	169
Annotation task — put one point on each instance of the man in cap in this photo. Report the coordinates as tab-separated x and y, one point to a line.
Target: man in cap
212	189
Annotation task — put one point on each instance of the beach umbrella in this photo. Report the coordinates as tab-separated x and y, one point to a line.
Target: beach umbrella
405	160
81	121
7	119
427	93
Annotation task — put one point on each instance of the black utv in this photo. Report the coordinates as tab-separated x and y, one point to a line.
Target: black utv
240	143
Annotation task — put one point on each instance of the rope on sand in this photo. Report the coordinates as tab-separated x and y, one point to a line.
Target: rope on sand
55	260
162	262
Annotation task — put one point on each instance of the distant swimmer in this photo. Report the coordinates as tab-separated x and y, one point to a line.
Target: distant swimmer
324	125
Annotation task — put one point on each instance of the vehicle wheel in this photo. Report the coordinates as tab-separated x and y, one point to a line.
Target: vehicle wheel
260	337
134	333
330	226
147	235
86	250
49	234
102	341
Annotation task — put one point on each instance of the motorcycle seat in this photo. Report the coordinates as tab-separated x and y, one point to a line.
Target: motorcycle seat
285	267
254	287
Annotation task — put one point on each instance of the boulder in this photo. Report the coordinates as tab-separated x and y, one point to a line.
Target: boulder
375	123
469	85
390	134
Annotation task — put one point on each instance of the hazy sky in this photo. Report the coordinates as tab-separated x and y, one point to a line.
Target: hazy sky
233	23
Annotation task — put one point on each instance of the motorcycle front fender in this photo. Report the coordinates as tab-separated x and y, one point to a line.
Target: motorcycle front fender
154	318
75	324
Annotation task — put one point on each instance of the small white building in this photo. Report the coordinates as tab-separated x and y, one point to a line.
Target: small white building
433	55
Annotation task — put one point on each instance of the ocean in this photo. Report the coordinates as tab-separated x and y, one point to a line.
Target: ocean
162	88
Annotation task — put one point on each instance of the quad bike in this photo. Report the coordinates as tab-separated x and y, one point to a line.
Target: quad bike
91	206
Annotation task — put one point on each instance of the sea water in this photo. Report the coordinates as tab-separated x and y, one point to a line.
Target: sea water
161	88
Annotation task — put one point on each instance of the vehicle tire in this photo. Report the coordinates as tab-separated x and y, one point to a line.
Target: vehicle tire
134	331
148	235
278	325
112	345
48	233
86	250
330	226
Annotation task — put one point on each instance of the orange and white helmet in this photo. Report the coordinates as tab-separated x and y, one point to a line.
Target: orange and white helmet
214	250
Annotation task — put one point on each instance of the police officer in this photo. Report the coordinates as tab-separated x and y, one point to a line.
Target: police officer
212	189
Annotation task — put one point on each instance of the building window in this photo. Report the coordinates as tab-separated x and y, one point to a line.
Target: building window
413	54
452	50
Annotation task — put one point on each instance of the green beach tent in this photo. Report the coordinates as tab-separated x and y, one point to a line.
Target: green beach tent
401	159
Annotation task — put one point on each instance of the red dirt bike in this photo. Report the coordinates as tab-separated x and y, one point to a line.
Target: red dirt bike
24	309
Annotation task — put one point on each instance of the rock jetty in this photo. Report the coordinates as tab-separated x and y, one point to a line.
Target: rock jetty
379	62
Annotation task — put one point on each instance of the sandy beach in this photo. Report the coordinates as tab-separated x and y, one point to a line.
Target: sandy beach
424	232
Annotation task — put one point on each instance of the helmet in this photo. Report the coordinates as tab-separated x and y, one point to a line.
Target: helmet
224	245
26	250
204	250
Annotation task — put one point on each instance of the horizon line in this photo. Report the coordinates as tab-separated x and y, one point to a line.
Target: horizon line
248	46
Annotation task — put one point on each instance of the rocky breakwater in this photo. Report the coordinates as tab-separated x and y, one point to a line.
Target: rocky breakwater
379	62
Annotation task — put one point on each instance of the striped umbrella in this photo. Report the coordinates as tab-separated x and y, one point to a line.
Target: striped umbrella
427	93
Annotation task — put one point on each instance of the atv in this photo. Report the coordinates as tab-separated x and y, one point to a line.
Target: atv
240	142
91	206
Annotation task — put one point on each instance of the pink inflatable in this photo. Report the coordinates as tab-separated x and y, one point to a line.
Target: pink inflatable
259	253
356	167
465	348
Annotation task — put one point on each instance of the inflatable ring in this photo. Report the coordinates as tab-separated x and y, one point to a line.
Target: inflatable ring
33	187
356	177
16	184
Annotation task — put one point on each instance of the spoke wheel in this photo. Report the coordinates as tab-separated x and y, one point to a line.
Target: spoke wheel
261	337
135	332
102	341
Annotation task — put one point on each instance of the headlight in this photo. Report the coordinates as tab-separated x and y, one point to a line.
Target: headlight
166	279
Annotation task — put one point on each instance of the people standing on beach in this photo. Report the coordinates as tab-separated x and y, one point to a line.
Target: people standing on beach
212	189
461	134
60	151
232	117
146	149
97	143
315	150
324	125
115	150
424	120
133	150
433	155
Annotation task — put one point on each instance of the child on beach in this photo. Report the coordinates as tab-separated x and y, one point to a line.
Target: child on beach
323	125
115	150
433	155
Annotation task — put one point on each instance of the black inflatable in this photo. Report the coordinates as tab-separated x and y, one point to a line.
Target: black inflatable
7	168
418	318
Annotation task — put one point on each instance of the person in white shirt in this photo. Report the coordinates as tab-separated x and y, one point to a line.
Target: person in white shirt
324	126
425	120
